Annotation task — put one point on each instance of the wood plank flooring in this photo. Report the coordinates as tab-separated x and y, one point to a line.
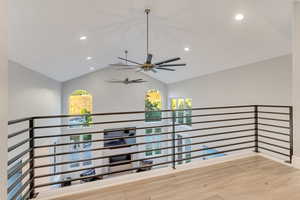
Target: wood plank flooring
253	178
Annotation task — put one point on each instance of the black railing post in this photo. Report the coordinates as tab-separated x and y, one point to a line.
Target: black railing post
291	124
173	139
256	128
31	157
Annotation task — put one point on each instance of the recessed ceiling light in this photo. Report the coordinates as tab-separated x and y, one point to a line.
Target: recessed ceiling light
92	68
89	58
186	49
239	17
83	38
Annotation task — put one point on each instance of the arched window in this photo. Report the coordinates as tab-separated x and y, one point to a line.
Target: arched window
153	105
80	103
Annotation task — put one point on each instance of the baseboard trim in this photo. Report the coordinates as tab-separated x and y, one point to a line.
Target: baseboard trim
296	162
276	159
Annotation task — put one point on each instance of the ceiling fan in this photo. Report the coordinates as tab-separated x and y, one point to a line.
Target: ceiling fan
127	81
165	65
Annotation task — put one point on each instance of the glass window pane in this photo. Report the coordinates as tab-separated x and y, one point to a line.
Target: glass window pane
179	149
153	106
188	148
157	147
173	104
74	148
188	113
87	155
181	107
149	147
80	103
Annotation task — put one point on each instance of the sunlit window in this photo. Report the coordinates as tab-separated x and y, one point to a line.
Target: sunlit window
80	103
153	106
183	114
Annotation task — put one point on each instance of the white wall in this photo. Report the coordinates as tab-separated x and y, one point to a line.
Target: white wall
266	82
3	98
296	81
31	93
109	97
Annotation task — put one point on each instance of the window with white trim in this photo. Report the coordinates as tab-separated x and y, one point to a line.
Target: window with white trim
153	140
183	117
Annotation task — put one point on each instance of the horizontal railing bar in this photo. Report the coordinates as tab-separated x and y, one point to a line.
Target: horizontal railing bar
102	140
143	151
136	168
99	158
18	180
210	128
102	148
21	189
216	153
275	113
139	120
97	123
17	169
128	137
101	166
275	132
272	138
97	132
274	106
141	112
17	157
272	119
138	160
272	125
19	144
274	145
19	120
18	133
267	149
122	146
26	195
104	174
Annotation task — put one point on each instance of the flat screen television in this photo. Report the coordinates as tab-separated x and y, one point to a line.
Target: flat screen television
118	133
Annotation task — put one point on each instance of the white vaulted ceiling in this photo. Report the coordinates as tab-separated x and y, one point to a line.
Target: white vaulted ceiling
44	34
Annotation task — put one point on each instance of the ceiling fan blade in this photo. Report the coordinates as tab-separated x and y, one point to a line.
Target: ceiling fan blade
115	81
153	70
130	61
168	61
140	70
166	69
122	65
149	58
173	65
124	68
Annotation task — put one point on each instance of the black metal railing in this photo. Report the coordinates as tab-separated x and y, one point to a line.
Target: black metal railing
40	148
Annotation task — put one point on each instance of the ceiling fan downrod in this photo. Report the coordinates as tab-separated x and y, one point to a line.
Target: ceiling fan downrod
147	11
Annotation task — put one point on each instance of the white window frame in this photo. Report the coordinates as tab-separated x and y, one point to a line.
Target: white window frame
184	117
81	155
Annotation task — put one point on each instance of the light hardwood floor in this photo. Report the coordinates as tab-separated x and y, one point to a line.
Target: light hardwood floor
254	178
